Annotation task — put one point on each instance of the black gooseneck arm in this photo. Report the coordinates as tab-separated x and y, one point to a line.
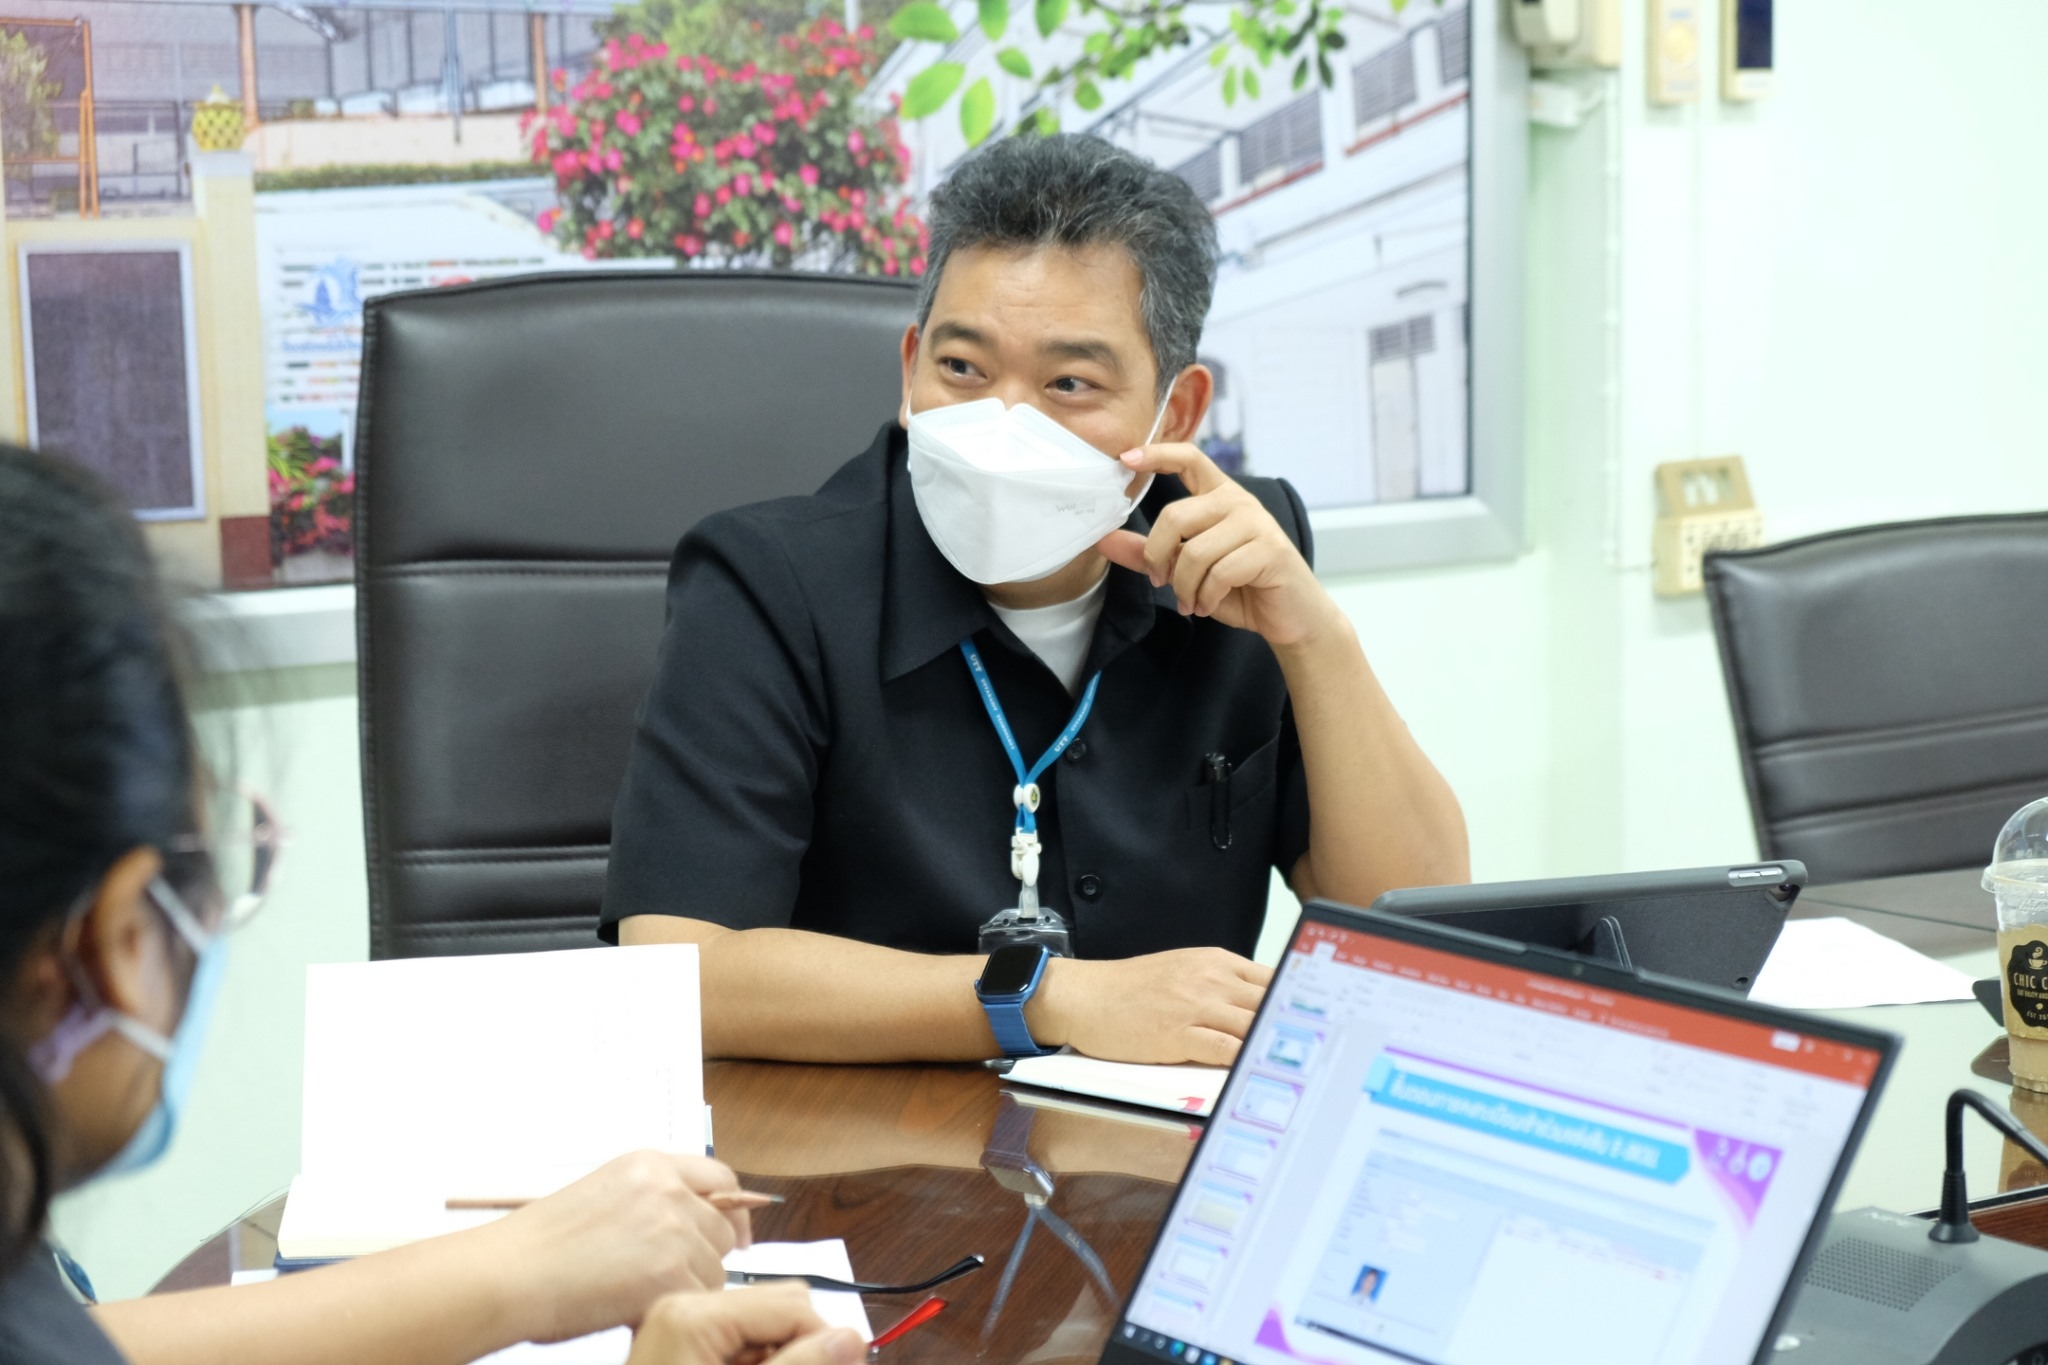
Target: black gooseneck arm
1954	1224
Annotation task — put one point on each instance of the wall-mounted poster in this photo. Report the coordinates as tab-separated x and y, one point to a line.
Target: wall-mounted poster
111	367
394	144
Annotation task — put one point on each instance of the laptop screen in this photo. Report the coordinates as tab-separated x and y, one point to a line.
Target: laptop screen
1427	1156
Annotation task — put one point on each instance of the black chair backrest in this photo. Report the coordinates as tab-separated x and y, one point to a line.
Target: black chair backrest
1890	689
529	451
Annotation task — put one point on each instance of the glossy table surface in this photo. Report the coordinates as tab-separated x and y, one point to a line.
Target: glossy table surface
916	1166
891	1159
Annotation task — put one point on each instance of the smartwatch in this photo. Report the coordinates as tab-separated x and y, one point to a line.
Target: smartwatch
1009	979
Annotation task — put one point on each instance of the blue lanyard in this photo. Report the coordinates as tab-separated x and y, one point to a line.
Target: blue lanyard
1027	819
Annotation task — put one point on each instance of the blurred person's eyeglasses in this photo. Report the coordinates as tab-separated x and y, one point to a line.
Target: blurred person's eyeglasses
223	874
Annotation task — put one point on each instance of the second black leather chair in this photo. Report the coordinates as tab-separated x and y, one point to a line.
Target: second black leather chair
528	453
1890	689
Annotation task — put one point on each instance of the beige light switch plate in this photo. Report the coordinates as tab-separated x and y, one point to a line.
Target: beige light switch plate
1702	505
1674	57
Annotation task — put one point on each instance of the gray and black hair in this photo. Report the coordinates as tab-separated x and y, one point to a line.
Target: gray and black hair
1073	190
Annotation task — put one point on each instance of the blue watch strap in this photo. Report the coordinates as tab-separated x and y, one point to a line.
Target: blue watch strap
1013	1035
1006	1015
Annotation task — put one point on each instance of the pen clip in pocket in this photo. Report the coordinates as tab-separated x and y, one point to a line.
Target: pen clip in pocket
1216	776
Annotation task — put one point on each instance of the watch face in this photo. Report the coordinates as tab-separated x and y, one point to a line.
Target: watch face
1009	970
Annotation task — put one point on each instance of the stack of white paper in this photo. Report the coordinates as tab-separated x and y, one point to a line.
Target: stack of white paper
496	1077
1835	963
779	1258
1183	1089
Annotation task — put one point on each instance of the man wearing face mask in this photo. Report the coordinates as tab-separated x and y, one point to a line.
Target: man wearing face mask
989	745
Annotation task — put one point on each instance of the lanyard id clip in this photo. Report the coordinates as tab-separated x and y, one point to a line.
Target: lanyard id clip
1028	922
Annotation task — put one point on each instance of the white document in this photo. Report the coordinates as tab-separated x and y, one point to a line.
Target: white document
783	1258
1835	964
494	1077
1182	1089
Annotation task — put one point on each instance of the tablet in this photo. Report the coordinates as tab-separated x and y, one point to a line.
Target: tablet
1713	925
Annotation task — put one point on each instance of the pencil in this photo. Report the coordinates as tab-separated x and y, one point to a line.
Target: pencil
724	1200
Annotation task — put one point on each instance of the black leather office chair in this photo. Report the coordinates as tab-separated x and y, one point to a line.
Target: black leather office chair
529	451
1890	689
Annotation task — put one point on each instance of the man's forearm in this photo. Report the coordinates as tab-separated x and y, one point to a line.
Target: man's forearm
1380	814
789	995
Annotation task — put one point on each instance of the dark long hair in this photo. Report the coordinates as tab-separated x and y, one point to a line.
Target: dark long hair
96	753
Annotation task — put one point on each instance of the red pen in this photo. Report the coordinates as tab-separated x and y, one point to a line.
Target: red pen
916	1317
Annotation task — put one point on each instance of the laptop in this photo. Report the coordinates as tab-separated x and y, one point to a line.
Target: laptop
1714	925
1442	1148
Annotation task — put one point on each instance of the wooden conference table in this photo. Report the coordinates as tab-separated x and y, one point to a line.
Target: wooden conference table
916	1166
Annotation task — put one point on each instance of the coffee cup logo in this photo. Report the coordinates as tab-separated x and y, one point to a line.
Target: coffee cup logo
2026	982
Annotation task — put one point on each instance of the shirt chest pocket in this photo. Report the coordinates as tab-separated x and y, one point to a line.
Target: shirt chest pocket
1233	802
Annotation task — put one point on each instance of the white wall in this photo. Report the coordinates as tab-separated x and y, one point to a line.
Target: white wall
1842	283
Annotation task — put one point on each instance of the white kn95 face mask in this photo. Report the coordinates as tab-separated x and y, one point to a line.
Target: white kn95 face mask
1010	495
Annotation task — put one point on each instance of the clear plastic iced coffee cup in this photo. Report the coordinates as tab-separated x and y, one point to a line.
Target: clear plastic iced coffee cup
2018	877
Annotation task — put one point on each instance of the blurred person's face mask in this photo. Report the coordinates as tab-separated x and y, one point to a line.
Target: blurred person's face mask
90	1019
1010	495
237	866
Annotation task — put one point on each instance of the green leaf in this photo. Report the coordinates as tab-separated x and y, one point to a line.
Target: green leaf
1333	41
1096	44
1230	86
1050	15
1323	70
930	88
1048	121
923	21
1251	82
1219	56
1301	73
1087	96
995	17
1014	62
978	111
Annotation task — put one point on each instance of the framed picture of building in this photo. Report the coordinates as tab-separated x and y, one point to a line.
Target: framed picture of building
110	357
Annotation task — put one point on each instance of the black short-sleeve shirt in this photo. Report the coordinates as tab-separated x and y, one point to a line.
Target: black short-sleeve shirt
813	753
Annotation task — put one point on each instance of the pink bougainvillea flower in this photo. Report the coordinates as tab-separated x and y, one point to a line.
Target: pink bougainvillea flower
629	123
589	253
792	203
612	160
855	143
888	265
743	184
724	194
604	231
860	197
808	174
546	221
703	205
741	237
784	234
604	90
686	103
635	228
744	145
917	265
710	104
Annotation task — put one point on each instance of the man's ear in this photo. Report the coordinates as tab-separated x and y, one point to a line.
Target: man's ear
110	941
909	367
1188	403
